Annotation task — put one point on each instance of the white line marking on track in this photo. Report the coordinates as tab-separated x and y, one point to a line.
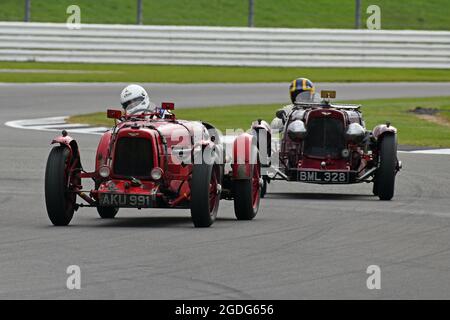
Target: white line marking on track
432	151
56	124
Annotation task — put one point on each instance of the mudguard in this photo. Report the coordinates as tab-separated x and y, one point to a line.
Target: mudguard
261	124
69	142
243	156
382	129
263	133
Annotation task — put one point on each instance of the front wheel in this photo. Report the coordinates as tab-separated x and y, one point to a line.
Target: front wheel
205	194
375	188
247	195
264	187
385	176
59	200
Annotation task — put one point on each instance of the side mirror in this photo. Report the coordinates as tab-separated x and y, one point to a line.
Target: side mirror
281	114
114	114
168	106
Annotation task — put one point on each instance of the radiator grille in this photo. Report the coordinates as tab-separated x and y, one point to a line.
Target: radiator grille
325	137
133	157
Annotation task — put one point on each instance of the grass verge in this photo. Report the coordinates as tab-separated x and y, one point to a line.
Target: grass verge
77	72
412	130
411	14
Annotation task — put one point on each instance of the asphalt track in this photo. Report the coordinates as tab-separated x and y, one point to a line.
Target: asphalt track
306	242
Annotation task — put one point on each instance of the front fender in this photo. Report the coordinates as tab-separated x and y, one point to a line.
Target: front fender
261	124
244	156
380	130
101	156
70	143
263	132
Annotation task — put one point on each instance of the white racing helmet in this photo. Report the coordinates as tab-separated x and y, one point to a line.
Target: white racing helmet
134	99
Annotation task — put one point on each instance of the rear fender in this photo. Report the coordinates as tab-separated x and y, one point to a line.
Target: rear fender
244	156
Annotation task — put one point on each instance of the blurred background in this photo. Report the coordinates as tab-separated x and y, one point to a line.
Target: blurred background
411	14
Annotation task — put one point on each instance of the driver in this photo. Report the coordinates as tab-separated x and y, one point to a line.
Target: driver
135	100
301	89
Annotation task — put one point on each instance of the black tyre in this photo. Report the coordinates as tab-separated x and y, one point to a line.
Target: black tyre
59	201
264	188
247	195
205	194
385	176
375	188
107	212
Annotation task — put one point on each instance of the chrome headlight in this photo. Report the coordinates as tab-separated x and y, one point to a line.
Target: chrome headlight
296	130
157	173
104	171
355	133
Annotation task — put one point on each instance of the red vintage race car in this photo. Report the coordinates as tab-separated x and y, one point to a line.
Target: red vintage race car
327	143
145	161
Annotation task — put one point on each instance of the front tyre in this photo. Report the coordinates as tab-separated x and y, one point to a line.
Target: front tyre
375	188
205	194
247	195
385	176
107	212
60	202
264	188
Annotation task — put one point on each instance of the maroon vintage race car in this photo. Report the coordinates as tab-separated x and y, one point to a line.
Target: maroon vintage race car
327	143
146	161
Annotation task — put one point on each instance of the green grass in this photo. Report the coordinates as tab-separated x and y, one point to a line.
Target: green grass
412	131
193	74
395	14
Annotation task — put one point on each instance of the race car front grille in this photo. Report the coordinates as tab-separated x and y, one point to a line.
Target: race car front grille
133	157
325	137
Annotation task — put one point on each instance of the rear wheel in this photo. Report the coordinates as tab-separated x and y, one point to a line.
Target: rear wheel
107	212
60	202
205	194
247	195
385	176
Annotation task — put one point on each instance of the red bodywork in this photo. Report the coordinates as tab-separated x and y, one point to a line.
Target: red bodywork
170	145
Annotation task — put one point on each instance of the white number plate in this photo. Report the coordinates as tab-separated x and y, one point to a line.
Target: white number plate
125	200
323	176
